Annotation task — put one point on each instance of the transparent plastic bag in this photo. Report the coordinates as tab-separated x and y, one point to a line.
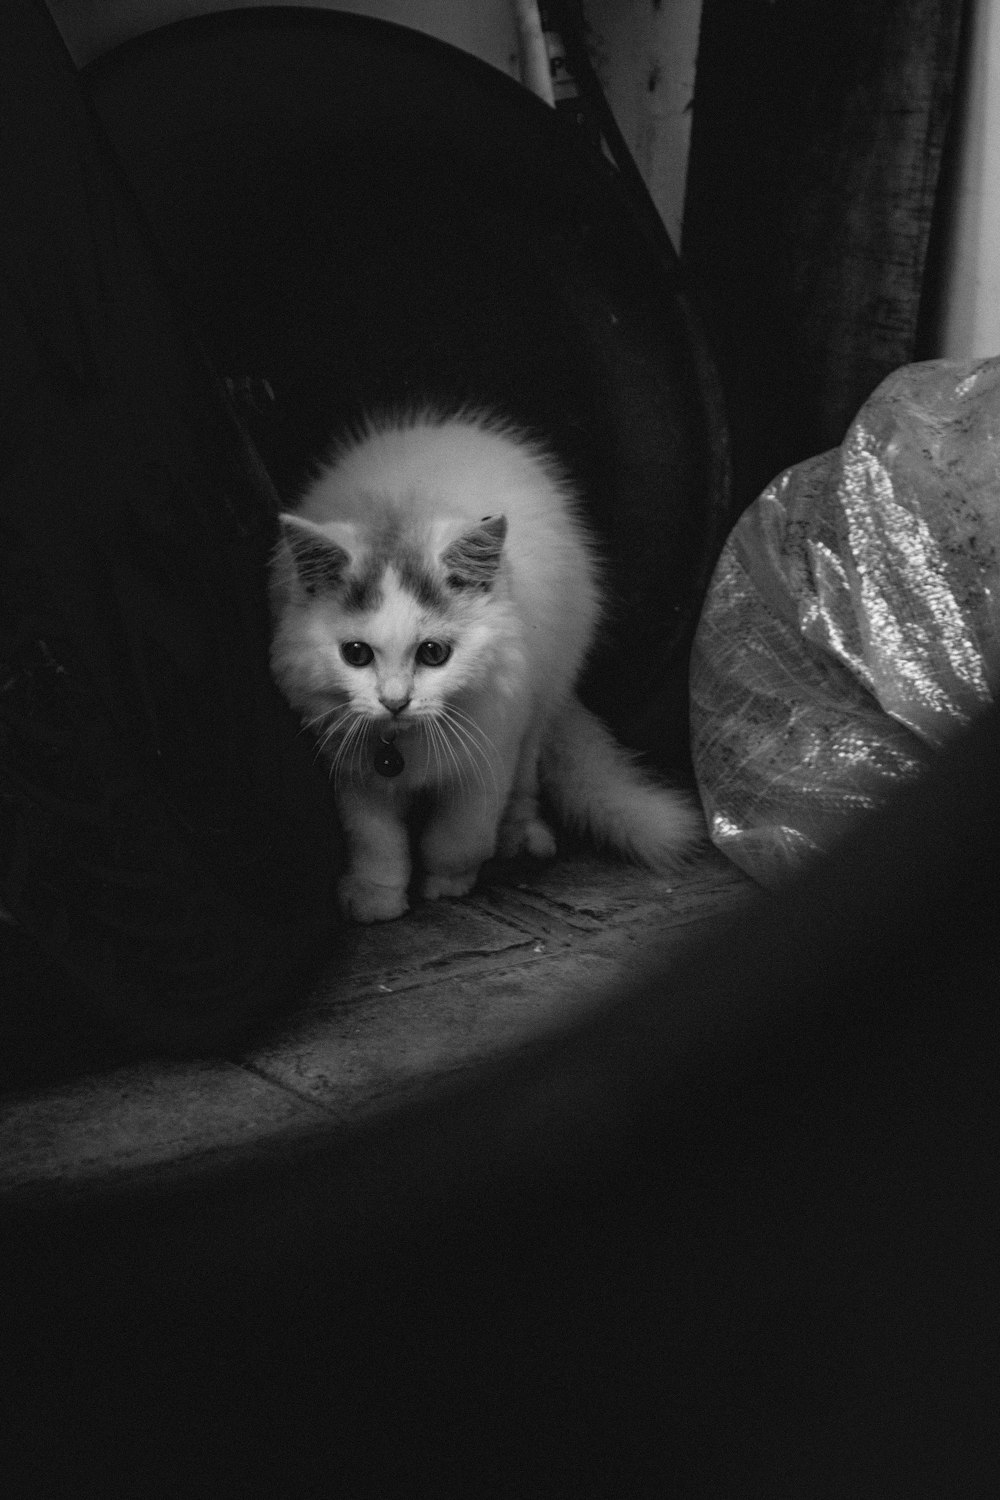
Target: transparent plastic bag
851	625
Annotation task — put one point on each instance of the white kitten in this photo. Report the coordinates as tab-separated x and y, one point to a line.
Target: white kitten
435	596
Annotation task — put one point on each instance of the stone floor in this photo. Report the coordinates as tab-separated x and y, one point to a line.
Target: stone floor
433	994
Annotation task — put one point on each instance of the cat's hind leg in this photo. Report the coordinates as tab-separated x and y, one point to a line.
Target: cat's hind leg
378	873
522	828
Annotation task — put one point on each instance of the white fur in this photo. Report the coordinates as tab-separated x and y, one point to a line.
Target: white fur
475	731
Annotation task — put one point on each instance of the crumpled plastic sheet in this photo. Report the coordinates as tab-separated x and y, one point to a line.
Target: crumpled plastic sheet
851	625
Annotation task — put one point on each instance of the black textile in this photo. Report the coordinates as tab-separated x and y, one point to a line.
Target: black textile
165	840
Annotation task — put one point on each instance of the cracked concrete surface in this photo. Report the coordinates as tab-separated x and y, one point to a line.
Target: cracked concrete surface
442	989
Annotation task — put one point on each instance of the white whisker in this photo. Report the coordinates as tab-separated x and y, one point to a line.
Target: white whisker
474	744
459	764
471	731
433	734
340	745
332	730
319	718
459	716
354	744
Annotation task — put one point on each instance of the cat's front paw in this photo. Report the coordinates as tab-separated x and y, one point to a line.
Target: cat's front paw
363	901
452	884
526	836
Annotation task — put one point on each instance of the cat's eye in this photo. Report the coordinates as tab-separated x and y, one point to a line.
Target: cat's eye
357	653
433	653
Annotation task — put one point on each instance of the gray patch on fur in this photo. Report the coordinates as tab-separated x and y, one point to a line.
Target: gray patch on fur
364	592
415	578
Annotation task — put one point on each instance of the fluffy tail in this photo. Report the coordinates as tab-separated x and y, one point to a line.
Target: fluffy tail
596	788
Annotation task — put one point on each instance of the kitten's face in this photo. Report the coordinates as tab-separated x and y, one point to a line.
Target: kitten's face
392	634
400	659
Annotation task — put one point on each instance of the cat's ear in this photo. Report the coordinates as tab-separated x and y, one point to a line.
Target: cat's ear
472	559
319	562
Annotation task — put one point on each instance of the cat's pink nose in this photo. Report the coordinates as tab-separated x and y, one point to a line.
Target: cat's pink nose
394	702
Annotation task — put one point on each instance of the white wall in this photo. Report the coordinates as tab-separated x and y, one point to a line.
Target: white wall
970	321
482	27
645	53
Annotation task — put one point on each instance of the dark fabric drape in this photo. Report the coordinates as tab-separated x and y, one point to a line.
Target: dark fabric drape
816	155
162	825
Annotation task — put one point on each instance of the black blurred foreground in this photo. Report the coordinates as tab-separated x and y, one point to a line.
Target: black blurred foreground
734	1236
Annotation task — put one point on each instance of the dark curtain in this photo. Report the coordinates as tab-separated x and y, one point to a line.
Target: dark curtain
816	154
164	846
